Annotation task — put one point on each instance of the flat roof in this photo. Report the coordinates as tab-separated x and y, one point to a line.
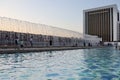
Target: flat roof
103	7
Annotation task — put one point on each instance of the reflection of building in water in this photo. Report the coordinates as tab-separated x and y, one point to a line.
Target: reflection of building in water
37	35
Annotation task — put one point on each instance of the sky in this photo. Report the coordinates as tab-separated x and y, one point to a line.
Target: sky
67	14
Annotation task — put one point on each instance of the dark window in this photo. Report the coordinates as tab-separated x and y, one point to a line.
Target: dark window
112	22
118	16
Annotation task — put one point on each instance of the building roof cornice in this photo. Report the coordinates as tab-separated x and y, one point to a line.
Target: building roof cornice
103	7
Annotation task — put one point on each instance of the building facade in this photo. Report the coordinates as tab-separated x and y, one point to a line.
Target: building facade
15	32
118	29
102	22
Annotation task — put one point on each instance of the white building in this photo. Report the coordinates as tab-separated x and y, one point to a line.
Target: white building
102	22
93	40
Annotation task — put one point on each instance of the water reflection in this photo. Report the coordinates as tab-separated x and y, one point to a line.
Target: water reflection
102	61
87	64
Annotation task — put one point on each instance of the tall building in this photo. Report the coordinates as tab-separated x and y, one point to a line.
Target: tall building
102	22
118	29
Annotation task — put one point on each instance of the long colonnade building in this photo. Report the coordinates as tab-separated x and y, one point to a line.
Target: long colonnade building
102	22
14	25
40	34
12	29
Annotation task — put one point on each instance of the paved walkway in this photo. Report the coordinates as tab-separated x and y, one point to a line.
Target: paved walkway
20	50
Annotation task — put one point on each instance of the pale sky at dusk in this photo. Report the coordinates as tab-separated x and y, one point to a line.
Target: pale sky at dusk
67	14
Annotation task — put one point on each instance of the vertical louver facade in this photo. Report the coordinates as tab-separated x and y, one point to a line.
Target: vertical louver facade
101	22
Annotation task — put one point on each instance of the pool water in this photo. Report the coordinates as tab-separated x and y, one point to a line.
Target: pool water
82	64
